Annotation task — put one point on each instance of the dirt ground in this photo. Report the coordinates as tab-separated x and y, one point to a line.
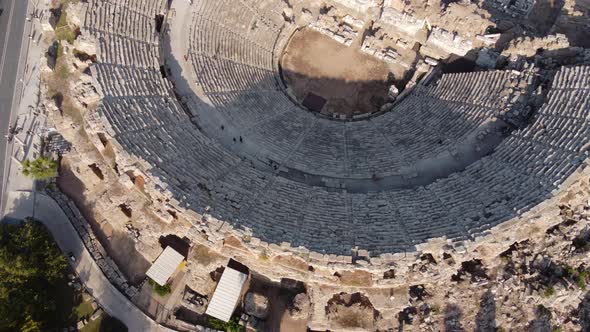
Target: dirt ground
544	14
118	245
356	278
351	81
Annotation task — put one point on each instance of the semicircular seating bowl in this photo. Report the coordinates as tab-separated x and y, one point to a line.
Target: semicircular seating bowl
252	183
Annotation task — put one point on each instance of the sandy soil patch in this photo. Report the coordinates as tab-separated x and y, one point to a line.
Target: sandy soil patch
350	81
356	278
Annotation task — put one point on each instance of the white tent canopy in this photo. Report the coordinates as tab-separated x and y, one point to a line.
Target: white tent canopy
227	294
164	266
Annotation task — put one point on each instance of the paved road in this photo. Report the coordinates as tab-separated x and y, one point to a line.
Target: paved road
21	204
12	24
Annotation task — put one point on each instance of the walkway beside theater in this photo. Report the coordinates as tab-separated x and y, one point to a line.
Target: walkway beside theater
22	204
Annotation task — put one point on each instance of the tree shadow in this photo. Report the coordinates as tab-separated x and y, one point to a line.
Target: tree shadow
542	321
485	321
584	312
131	263
453	315
576	27
111	324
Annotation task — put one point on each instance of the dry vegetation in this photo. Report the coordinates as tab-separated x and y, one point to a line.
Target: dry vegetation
58	82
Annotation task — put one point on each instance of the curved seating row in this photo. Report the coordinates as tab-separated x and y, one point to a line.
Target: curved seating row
140	113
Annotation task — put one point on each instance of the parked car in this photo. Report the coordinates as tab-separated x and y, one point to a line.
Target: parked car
71	256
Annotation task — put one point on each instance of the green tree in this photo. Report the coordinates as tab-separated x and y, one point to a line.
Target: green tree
31	268
42	168
30	325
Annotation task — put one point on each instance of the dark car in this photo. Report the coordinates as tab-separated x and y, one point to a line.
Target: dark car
1	10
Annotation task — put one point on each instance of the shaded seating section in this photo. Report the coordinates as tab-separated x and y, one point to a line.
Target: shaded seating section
141	116
234	66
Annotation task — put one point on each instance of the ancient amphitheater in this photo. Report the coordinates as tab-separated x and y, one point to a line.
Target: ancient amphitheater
195	111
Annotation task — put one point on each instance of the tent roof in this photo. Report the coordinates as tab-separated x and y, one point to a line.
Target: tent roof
164	266
227	294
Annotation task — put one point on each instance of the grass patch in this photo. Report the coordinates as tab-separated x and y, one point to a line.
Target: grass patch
105	323
84	309
60	50
58	83
263	256
61	73
160	290
581	280
63	31
94	326
231	326
66	33
63	18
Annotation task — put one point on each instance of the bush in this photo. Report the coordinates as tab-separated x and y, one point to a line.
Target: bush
160	290
569	270
549	291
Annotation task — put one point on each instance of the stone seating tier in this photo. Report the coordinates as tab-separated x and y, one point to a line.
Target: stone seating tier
114	49
116	20
202	173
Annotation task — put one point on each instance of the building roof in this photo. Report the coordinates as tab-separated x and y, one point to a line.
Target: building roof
164	266
226	294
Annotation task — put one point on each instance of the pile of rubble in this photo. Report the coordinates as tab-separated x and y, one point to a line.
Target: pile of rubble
539	283
343	28
387	54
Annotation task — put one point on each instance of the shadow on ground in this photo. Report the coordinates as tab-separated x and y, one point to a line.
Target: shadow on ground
452	318
119	245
